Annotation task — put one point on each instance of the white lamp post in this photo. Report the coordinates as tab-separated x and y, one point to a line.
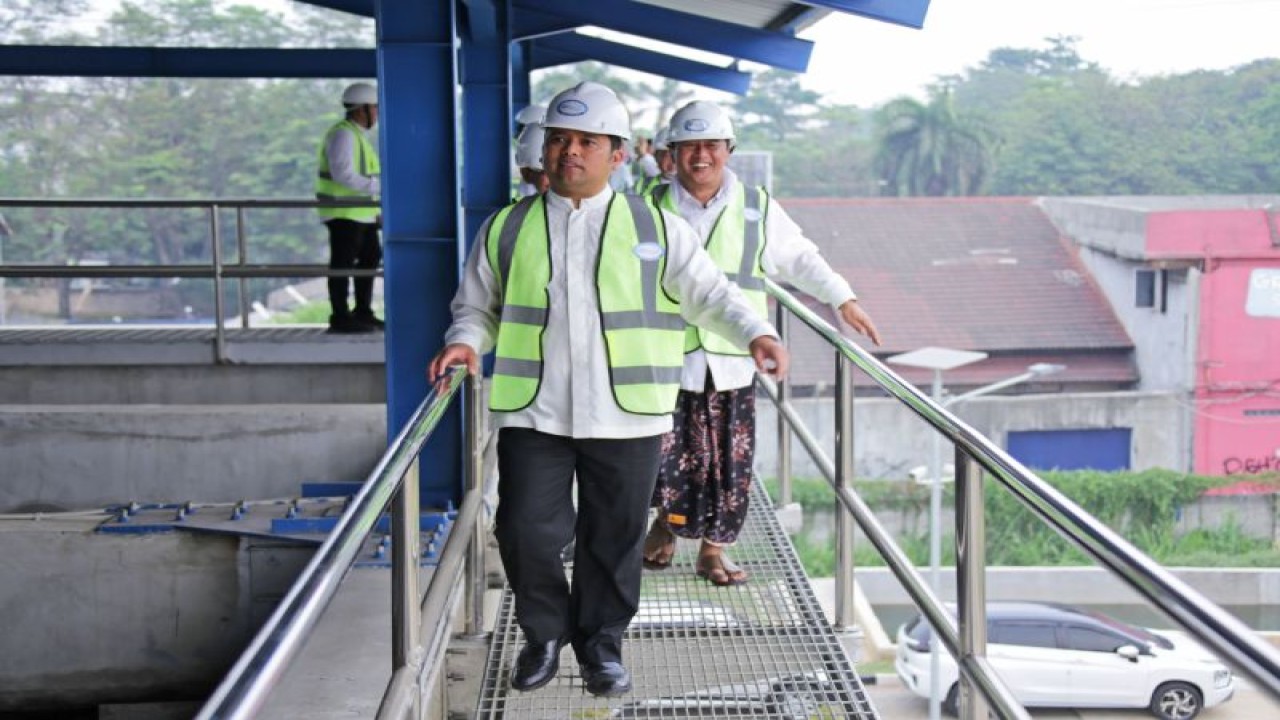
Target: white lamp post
938	359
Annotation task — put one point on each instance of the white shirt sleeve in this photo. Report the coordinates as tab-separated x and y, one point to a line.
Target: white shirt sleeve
707	298
477	306
340	152
794	258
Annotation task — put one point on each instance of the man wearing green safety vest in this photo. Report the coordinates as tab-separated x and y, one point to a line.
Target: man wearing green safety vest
349	170
584	293
705	478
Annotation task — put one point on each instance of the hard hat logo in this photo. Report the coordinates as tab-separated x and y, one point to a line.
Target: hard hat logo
700	120
696	125
572	108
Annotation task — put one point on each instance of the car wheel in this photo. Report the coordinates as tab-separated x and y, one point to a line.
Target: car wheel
1176	701
951	705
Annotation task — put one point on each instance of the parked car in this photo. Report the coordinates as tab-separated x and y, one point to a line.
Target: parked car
1053	655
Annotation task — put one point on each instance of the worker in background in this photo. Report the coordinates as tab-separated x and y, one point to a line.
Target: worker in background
705	478
349	170
648	174
533	179
585	293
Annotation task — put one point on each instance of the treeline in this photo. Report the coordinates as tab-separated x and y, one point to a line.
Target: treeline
1022	122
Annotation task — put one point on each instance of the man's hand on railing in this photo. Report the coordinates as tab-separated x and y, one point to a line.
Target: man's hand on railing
770	356
453	354
858	319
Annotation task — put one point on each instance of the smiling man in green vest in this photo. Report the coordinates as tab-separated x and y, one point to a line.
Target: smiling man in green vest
585	293
704	486
349	170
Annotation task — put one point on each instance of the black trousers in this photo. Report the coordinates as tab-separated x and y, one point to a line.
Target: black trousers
536	519
352	245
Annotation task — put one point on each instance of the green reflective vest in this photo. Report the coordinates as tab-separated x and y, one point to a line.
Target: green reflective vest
642	326
365	162
736	244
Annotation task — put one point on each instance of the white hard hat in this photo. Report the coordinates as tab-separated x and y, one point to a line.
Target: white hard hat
531	114
700	120
660	140
360	93
529	146
589	107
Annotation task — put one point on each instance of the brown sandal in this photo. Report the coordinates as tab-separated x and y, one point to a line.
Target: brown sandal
659	546
720	571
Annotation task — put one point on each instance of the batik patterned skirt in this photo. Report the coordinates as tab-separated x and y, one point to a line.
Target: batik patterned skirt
704	480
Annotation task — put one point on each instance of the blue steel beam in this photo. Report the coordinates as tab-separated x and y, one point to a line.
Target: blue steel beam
679	28
486	114
574	47
899	12
528	23
521	87
420	201
363	8
80	61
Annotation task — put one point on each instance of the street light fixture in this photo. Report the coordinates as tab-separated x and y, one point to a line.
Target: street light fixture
938	359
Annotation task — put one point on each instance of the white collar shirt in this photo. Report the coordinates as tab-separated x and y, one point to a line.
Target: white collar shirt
788	257
575	398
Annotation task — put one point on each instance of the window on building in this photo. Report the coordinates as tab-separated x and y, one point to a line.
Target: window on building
1151	289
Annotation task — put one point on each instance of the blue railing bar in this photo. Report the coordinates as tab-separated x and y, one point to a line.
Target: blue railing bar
244	690
1186	606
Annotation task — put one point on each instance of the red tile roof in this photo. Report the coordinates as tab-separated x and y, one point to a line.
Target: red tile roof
986	274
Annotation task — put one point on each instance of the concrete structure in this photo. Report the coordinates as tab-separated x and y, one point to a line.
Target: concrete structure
889	439
1196	283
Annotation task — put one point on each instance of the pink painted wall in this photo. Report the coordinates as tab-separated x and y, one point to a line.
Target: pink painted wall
1237	426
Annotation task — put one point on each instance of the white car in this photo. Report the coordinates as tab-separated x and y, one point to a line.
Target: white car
1052	655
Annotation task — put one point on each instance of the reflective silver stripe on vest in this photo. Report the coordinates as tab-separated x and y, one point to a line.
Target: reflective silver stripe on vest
508	234
635	319
512	367
524	314
644	375
746	278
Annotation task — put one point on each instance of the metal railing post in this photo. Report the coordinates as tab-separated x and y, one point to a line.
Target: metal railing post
844	479
476	581
971	575
783	325
406	548
242	259
219	332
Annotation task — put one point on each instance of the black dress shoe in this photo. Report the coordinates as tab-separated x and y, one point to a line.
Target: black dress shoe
536	665
608	679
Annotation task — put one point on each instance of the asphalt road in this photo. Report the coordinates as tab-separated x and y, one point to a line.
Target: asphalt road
895	702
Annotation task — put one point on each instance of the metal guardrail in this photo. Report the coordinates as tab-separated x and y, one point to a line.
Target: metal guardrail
216	269
1234	641
415	662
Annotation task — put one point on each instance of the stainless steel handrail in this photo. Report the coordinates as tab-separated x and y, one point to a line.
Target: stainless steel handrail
245	688
1232	639
216	269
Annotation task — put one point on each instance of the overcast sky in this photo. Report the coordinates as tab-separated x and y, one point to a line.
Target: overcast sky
865	62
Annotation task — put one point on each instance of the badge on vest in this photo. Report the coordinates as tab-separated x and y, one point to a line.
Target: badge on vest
751	215
648	251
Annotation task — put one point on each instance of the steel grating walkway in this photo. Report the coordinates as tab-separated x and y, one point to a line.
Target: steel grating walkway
760	650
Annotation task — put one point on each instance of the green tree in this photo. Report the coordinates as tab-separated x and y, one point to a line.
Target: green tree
928	149
776	109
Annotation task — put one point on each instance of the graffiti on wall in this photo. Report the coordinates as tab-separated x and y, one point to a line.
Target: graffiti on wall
1250	465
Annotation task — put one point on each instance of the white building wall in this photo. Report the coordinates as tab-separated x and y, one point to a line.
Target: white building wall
889	439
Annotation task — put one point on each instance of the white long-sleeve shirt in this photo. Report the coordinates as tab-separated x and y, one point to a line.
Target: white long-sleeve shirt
788	256
341	151
576	398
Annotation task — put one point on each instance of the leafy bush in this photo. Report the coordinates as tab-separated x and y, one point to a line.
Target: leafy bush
1140	506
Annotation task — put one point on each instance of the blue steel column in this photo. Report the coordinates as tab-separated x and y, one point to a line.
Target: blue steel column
521	87
420	200
486	113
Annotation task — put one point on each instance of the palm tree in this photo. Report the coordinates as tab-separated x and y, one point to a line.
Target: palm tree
927	149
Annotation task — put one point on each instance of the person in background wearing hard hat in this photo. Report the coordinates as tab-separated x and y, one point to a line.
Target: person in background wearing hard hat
704	482
584	292
666	163
349	170
533	180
